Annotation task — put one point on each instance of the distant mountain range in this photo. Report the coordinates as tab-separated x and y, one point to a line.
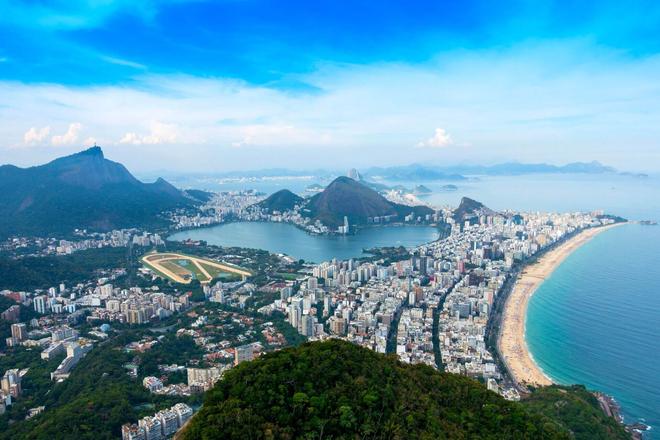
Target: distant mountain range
419	172
459	172
84	190
344	197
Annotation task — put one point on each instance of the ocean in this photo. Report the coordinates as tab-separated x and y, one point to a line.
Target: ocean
596	320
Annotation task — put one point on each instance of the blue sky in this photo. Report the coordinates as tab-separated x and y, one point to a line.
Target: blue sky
194	85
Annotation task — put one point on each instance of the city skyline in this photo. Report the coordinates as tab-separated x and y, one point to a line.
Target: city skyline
184	86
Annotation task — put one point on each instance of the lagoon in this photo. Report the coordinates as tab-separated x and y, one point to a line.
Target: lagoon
288	239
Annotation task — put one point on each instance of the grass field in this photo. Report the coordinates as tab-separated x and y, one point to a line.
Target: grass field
182	268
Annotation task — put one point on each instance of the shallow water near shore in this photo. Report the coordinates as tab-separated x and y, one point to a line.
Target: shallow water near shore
596	320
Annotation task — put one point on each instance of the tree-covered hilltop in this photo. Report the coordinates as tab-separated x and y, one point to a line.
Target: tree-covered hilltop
345	197
31	273
577	410
280	201
335	389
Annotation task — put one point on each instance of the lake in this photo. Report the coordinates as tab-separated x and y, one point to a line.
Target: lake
290	240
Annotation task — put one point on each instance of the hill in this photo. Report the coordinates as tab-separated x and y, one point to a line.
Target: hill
335	389
283	200
83	190
347	197
577	410
469	209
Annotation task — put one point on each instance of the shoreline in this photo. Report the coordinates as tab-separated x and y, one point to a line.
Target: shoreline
512	343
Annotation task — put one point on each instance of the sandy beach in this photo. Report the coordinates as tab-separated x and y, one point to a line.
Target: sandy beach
512	344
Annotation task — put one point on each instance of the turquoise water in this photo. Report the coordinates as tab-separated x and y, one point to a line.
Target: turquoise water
596	320
287	239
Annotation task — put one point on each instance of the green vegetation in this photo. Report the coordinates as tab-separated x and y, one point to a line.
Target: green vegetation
281	201
94	401
335	389
83	190
35	384
576	410
347	197
170	350
31	273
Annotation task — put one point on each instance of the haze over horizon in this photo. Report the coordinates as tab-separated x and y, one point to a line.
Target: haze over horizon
199	86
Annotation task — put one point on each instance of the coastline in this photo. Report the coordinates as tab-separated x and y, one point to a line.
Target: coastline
512	342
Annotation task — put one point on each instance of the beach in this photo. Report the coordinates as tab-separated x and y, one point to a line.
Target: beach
512	344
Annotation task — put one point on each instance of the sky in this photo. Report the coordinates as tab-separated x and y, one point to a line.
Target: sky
196	86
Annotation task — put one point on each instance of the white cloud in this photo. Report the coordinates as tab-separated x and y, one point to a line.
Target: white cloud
123	62
440	139
525	107
68	138
90	142
159	133
35	135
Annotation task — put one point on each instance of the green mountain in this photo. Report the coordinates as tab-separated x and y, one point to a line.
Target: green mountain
84	190
283	200
345	197
338	390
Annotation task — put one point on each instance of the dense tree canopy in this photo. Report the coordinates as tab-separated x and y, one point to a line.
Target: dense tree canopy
335	389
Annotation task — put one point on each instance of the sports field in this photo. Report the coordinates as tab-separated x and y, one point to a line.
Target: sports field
183	268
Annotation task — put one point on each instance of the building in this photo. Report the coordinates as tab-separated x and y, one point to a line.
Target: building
74	352
10	383
161	425
152	383
204	377
152	428
183	412
53	350
243	353
12	314
169	422
132	432
40	304
307	326
63	333
19	332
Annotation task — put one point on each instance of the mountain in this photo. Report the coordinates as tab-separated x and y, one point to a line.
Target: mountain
417	172
515	168
421	189
199	195
347	197
83	190
469	209
354	174
335	389
414	172
283	200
